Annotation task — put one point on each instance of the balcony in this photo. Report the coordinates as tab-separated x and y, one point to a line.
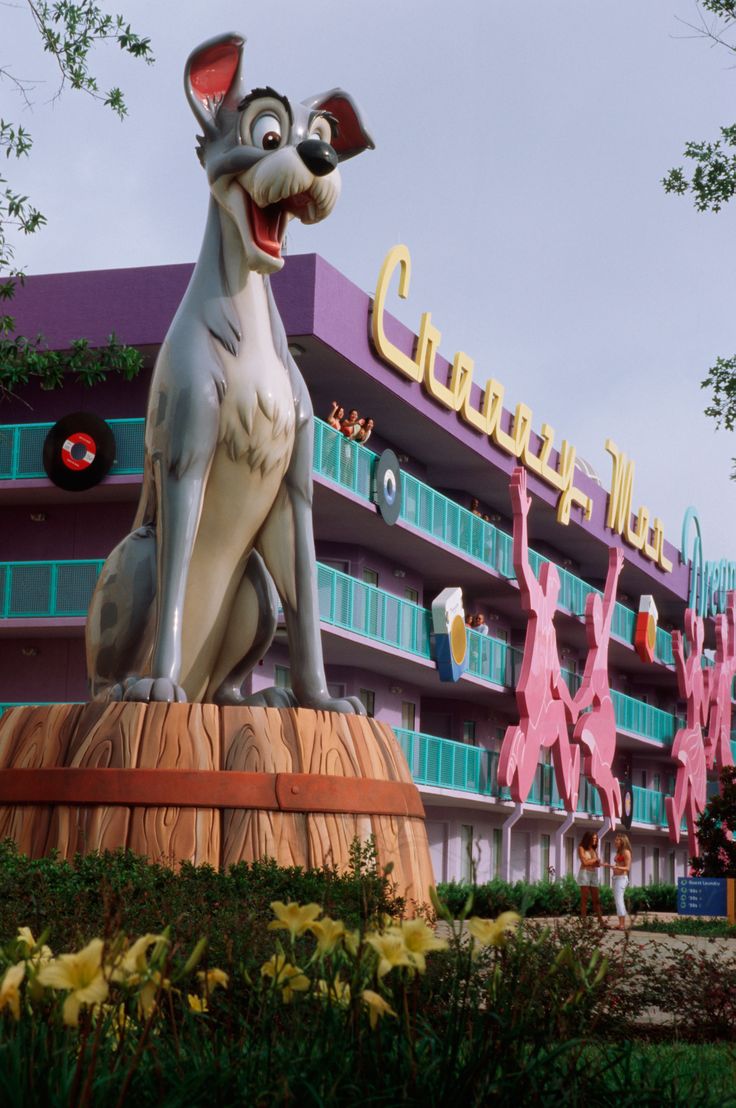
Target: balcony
351	466
38	590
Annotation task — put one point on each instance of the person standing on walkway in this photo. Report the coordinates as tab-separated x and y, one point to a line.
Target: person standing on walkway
621	867
588	875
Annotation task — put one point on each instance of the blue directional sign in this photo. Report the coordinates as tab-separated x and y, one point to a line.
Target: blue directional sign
702	896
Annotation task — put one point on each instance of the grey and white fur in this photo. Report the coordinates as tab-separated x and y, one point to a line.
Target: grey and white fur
186	604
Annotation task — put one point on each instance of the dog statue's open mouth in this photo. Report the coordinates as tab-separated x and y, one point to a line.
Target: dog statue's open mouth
268	225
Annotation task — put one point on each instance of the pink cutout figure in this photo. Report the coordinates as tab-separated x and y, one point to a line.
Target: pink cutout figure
596	730
718	682
688	747
545	702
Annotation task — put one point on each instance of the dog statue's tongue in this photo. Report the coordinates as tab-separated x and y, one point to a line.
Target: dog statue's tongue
266	225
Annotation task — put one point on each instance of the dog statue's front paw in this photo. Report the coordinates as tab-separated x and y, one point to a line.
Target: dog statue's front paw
154	690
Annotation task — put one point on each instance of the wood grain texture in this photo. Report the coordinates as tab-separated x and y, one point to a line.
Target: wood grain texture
205	737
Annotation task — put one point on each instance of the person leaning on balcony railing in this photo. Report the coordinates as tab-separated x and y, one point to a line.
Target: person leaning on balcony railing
589	876
620	866
336	416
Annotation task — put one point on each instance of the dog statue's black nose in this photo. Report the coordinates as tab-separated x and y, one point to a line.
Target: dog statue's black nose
319	157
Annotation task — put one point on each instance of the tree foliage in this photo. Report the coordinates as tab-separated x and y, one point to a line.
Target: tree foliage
711	183
69	32
716	829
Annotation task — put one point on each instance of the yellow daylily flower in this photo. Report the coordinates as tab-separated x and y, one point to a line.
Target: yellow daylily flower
390	949
210	979
39	955
352	942
10	989
293	917
133	963
377	1006
25	937
82	975
337	990
149	991
328	933
493	932
197	1003
288	978
419	939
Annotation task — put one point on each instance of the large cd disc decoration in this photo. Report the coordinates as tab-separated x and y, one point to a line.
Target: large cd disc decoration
78	451
387	487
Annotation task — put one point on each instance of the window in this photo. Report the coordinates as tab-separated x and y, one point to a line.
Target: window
643	866
671	867
643	779
569	854
370	576
544	853
411	594
368	698
607	859
497	846
408	715
466	850
655	866
469	732
656	782
282	677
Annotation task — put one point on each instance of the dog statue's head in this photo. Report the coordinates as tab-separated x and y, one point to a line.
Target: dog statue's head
268	160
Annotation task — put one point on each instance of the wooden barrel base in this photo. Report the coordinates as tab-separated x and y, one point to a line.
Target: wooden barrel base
199	783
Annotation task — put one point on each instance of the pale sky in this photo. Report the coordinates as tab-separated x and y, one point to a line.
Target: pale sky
519	152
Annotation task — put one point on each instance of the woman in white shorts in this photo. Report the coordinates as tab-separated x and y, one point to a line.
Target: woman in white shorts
588	875
621	866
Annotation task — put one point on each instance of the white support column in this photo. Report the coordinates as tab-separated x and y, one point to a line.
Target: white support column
560	843
506	841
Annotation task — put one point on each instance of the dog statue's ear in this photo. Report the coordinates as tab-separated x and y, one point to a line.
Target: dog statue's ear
212	78
351	136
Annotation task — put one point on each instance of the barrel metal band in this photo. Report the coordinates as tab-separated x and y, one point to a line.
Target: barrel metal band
187	788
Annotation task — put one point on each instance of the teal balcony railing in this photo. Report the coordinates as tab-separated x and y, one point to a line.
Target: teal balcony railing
648	806
351	466
446	764
46	589
643	719
63	589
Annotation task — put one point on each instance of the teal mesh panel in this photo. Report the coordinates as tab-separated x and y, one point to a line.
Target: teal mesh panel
8	435
129	435
29	588
30	450
74	586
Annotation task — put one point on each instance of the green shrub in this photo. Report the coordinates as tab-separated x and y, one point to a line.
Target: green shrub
549	898
120	891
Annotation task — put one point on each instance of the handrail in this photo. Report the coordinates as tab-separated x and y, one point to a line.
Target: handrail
62	589
351	466
446	764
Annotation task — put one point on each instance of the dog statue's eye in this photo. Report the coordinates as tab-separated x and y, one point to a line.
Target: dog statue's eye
266	131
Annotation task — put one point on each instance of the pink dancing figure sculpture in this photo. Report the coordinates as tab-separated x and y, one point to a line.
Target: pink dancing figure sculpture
718	683
596	730
545	703
688	747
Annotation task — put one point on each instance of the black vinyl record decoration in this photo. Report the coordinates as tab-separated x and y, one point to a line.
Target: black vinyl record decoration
387	487
78	451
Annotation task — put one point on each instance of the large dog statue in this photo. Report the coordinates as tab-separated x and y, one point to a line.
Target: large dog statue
186	605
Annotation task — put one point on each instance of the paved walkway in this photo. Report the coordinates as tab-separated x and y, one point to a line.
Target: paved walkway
654	940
